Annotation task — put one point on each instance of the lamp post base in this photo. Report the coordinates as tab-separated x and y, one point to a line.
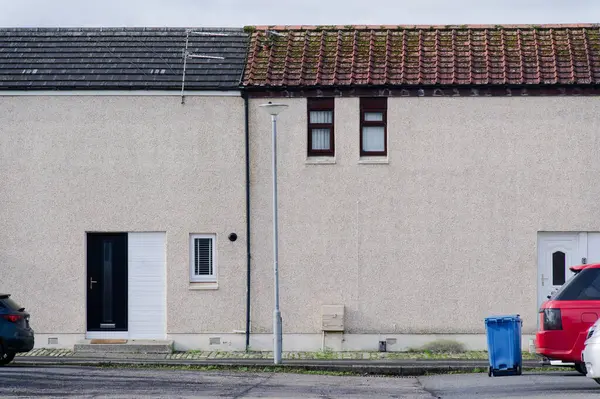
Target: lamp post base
277	339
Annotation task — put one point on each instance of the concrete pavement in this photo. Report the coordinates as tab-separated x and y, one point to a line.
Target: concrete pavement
287	355
388	363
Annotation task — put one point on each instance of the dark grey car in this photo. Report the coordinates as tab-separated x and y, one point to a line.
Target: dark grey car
15	333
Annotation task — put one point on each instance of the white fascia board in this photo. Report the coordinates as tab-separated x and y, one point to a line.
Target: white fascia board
133	93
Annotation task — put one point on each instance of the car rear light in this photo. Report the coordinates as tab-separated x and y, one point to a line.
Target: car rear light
13	318
552	319
590	332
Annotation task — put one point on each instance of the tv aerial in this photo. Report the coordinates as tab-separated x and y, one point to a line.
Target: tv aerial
186	54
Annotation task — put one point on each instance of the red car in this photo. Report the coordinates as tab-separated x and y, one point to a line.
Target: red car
567	315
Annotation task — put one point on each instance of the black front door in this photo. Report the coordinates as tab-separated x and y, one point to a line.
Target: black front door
106	282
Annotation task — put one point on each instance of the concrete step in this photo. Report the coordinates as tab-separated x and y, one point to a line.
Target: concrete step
139	346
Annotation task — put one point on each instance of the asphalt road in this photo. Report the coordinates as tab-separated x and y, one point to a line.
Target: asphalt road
66	381
568	384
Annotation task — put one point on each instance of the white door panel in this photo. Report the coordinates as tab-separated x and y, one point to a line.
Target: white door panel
593	248
147	285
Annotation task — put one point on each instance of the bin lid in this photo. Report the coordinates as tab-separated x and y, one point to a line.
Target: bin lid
497	319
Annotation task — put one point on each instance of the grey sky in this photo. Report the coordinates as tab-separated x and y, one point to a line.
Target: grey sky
51	13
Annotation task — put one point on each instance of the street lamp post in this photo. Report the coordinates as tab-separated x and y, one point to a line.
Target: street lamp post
274	110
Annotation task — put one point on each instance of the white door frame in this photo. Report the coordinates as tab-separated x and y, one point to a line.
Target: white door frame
140	308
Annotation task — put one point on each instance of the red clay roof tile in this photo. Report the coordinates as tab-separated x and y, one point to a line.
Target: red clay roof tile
305	56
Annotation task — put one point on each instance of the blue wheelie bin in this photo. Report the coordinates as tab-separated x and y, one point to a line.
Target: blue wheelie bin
504	345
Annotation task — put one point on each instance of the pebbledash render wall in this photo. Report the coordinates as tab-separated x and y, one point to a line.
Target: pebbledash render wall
428	241
423	245
71	164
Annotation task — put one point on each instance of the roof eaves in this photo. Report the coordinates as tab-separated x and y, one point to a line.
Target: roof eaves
417	27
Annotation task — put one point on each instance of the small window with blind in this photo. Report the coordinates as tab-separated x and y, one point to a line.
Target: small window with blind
320	127
373	129
202	258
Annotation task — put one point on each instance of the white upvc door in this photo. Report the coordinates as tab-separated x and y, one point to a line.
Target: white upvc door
557	252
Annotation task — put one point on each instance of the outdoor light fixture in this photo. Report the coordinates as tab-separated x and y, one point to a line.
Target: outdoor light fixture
274	110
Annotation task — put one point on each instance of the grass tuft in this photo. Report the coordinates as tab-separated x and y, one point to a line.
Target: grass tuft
444	346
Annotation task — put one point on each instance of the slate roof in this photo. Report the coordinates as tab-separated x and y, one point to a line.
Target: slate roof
338	56
119	58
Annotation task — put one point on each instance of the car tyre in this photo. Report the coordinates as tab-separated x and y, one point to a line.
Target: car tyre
580	367
6	357
490	371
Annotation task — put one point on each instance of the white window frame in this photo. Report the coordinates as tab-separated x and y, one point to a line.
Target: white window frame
206	278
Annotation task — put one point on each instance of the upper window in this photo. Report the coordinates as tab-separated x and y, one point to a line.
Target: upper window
320	127
373	131
202	258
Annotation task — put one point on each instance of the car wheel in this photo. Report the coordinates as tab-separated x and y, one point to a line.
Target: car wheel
580	367
6	357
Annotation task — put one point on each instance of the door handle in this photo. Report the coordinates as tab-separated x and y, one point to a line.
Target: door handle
92	282
544	279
